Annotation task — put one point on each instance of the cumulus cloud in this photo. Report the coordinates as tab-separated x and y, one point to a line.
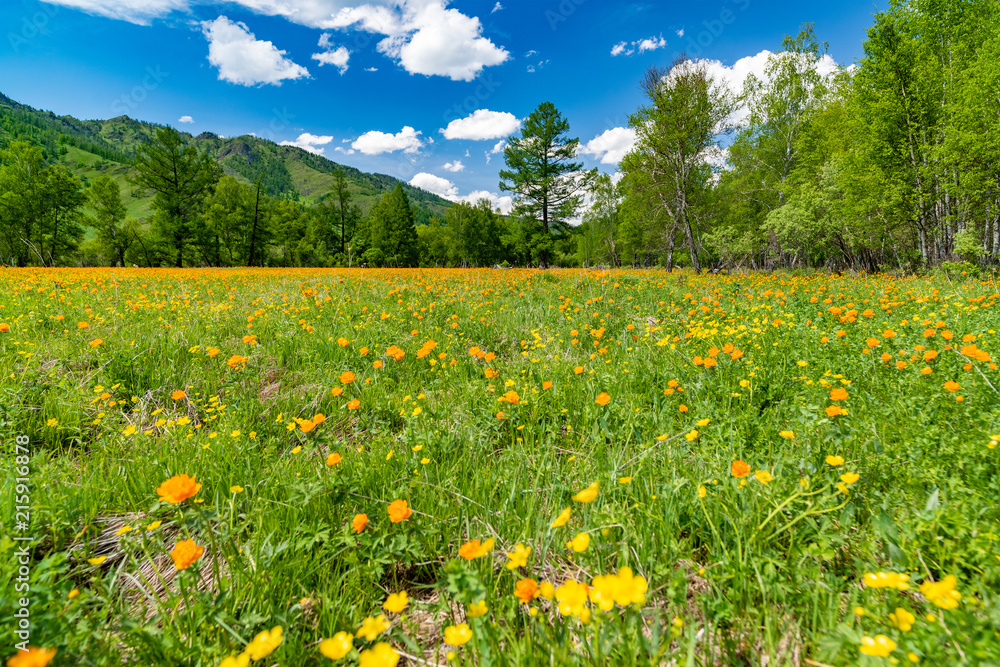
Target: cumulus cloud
447	189
309	142
638	46
733	76
243	59
497	7
453	166
611	145
426	37
185	119
375	142
435	184
338	57
482	124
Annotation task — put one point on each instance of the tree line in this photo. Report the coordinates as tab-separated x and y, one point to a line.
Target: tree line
892	163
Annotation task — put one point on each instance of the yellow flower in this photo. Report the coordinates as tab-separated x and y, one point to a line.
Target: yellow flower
153	526
587	495
477	609
579	543
338	646
623	588
835	461
130	430
850	477
692	436
73	594
52	423
241	660
624	480
562	519
456	635
264	643
571	598
97	561
787	435
702	423
380	655
123	530
942	593
547	590
372	627
702	492
887	580
880	647
902	619
763	476
396	602
518	557
236	489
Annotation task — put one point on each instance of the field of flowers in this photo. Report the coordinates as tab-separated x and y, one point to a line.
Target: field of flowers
313	467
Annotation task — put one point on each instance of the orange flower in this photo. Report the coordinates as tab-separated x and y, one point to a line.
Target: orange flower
334	458
185	554
683	408
838	394
602	399
951	385
740	469
578	370
4	328
347	377
473	549
359	522
236	360
319	418
82	325
97	342
546	385
212	352
399	510
34	656
377	363
307	425
512	397
834	410
178	395
353	404
526	590
178	488
337	391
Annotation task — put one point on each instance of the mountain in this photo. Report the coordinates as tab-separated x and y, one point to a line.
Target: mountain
90	148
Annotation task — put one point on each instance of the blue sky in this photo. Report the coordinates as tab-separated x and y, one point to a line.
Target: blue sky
423	90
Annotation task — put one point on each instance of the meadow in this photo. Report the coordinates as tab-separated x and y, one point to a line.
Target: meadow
498	467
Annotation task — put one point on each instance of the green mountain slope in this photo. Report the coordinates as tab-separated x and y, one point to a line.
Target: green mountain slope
93	147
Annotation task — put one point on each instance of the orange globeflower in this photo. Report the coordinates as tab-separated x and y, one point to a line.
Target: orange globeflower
473	549
4	328
178	488
359	522
951	385
602	398
399	510
82	325
834	410
337	391
740	469
377	363
97	342
236	360
526	590
347	377
185	554
334	458
546	385
353	404
178	395
512	397
33	657
212	351
838	394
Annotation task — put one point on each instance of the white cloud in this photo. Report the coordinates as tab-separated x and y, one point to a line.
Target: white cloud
500	145
243	59
439	186
651	44
638	46
309	142
371	69
445	188
340	149
425	37
453	166
482	124
133	11
337	57
611	145
530	53
185	119
680	33
497	7
374	142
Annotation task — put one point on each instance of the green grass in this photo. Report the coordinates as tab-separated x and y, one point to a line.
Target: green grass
739	570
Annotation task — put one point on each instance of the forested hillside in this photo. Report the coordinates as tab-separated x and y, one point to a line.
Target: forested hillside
93	147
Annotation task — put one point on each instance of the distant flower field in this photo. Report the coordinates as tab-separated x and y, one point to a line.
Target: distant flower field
446	467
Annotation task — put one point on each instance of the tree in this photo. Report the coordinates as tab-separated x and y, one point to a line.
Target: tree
389	235
115	232
546	183
344	214
596	241
181	180
675	133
